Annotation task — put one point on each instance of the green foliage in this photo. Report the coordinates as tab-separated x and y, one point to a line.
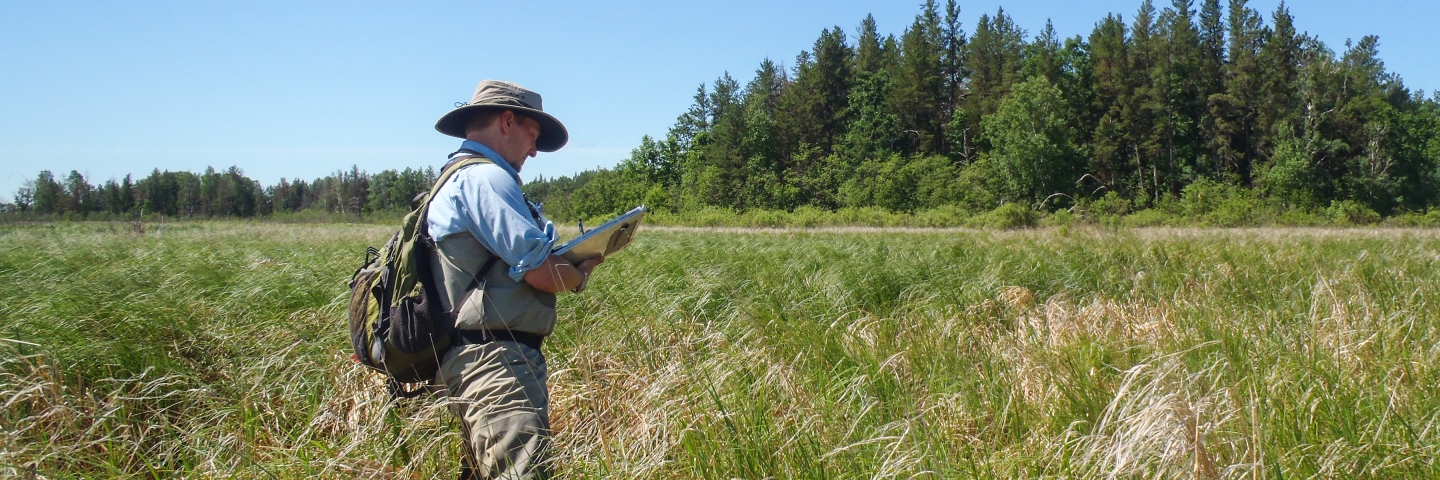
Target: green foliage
902	183
1007	216
1180	95
1293	176
228	193
47	193
1110	205
1223	205
1149	218
1031	147
1430	219
610	192
1350	212
875	129
1060	218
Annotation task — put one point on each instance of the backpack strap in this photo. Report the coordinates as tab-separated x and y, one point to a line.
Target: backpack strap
465	153
452	166
418	222
464	158
476	285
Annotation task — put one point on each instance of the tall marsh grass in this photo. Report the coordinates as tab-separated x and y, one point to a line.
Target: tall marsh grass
217	350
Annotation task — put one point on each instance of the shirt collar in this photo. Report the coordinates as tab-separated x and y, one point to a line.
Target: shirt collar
494	157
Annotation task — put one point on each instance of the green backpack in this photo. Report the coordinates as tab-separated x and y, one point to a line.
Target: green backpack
397	325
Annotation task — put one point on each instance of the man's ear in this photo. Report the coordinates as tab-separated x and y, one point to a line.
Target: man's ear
507	119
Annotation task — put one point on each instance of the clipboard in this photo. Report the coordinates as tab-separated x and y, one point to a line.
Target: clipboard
604	239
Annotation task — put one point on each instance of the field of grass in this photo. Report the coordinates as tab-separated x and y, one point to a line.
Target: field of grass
216	350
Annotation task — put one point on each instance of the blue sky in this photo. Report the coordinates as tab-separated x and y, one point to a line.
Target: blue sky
300	89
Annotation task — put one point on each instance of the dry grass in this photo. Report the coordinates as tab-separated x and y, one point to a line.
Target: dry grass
217	351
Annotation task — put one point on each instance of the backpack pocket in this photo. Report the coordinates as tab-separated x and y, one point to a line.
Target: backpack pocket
416	324
364	312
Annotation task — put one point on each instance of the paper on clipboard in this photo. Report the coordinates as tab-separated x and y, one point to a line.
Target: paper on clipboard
604	239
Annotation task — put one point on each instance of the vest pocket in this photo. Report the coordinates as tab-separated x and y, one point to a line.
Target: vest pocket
508	305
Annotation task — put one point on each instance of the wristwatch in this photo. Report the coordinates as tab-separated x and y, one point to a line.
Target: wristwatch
584	282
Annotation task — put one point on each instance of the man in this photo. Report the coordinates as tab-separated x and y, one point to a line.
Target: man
498	276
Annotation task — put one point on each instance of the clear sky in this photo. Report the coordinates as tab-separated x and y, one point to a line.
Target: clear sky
300	89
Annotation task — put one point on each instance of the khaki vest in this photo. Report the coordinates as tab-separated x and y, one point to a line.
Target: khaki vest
504	304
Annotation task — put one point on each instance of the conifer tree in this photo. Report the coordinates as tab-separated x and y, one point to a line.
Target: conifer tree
1148	127
1278	100
1043	56
993	58
1211	80
1234	110
868	58
1180	71
920	99
952	62
1112	144
932	117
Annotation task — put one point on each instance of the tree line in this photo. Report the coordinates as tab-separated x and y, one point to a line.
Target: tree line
1212	98
220	194
1183	101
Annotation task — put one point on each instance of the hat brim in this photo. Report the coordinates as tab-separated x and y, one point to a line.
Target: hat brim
552	133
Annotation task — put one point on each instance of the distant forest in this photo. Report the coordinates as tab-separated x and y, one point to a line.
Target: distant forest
219	194
1133	114
1173	103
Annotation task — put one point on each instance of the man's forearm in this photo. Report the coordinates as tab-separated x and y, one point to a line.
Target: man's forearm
555	275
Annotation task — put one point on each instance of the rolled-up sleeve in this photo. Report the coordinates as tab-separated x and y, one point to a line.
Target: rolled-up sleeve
487	202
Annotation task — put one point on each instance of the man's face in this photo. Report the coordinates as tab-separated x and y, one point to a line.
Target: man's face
519	136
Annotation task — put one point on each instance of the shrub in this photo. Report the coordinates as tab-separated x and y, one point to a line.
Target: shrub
766	218
1202	197
1238	210
1059	218
810	216
1148	218
1299	218
1350	212
1007	216
710	216
869	217
942	216
1110	205
1415	219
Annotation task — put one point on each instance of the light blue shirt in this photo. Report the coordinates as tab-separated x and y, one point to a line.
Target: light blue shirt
485	200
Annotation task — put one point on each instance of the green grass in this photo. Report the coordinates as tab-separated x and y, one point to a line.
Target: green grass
218	350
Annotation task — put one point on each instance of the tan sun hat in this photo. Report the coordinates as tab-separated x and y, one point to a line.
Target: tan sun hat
490	94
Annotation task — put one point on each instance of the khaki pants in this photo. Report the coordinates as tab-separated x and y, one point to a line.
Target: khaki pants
498	392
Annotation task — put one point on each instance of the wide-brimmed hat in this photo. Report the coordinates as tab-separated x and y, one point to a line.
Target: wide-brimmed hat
492	94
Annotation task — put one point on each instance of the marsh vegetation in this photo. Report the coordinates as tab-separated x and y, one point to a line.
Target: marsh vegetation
218	350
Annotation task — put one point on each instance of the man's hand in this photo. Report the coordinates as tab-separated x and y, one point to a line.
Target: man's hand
589	265
586	267
558	275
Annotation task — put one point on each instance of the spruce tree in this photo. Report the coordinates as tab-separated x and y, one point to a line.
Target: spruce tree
1112	145
920	99
994	62
1148	127
1234	110
1279	96
868	58
1211	81
1180	71
952	61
